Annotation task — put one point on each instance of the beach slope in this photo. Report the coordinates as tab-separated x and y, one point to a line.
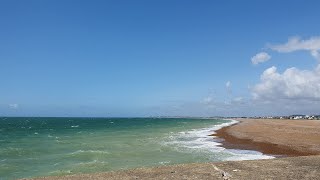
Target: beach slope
304	167
276	137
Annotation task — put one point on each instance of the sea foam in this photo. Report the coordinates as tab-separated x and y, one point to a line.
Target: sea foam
200	141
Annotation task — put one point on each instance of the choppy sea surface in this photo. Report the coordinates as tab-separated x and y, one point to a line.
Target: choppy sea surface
34	146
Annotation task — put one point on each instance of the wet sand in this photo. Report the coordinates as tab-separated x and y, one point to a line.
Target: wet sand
275	137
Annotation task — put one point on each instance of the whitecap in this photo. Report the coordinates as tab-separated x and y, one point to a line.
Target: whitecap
89	151
164	162
91	162
60	172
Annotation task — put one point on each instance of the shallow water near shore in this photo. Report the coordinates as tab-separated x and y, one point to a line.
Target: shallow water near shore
31	147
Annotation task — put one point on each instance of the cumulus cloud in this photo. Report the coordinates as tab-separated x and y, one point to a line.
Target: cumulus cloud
297	44
293	83
260	58
292	91
14	106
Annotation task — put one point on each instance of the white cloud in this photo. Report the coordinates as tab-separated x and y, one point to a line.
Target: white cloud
297	44
14	106
315	54
228	87
260	58
292	91
293	83
228	84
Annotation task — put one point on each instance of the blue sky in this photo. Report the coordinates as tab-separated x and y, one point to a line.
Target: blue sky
149	58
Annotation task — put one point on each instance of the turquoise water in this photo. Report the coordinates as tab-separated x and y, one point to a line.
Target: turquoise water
31	147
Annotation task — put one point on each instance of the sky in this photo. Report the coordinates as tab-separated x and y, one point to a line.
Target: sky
159	58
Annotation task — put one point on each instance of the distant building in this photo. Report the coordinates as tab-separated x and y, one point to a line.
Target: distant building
297	117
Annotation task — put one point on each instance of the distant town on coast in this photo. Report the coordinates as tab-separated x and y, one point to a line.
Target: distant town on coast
293	117
298	116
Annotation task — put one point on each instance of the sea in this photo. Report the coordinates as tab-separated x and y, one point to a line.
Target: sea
41	146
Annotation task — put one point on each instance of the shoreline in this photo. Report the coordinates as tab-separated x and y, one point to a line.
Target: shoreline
245	139
300	158
232	142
